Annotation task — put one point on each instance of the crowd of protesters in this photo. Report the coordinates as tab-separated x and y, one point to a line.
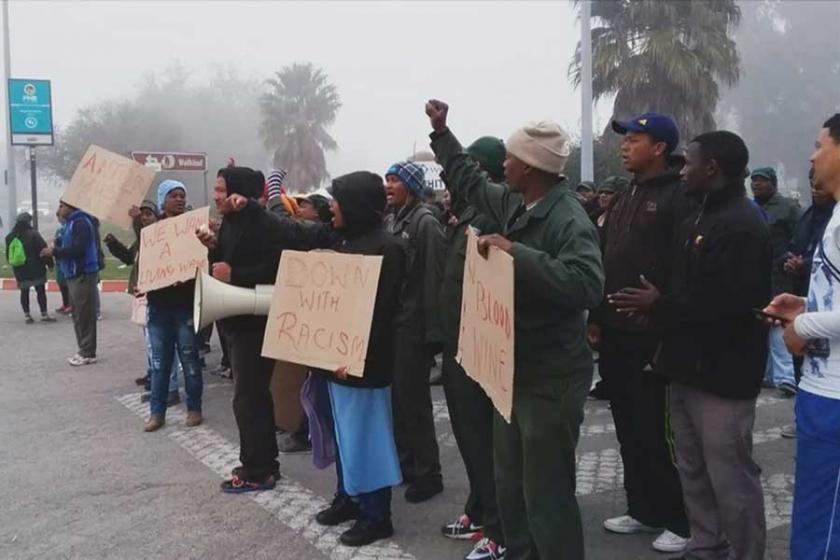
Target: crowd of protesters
691	295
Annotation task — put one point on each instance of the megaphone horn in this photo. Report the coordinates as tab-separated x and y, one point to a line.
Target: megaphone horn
216	300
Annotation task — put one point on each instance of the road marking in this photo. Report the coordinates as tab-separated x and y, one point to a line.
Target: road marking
292	504
778	499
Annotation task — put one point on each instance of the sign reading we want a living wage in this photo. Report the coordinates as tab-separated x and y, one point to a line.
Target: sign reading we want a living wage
170	252
486	340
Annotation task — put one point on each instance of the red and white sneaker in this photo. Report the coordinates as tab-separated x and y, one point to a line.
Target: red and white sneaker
462	529
486	549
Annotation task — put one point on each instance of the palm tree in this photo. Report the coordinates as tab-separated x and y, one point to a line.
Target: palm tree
296	112
663	55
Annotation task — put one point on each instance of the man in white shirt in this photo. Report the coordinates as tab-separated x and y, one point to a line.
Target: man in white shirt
812	330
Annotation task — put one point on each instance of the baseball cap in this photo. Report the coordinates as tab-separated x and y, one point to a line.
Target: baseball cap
767	172
661	128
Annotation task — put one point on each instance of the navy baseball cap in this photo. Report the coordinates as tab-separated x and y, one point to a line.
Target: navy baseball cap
661	128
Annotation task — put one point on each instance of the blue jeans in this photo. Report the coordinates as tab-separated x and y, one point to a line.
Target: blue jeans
779	360
815	531
176	365
170	330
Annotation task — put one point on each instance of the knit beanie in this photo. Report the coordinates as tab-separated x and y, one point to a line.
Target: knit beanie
489	152
167	187
411	174
543	145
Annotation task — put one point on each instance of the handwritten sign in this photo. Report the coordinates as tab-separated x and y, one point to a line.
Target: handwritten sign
107	185
485	343
139	306
322	309
170	252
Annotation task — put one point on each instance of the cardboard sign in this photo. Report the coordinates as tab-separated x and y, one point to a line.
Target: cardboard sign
139	306
322	309
170	252
485	343
107	185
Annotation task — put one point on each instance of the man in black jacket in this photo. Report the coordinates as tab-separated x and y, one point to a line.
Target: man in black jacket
714	350
637	239
246	252
418	330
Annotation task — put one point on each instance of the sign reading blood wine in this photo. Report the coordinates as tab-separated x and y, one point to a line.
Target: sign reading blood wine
170	252
322	309
485	344
107	185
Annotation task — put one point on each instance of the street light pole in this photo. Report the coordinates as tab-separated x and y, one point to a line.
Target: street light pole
11	182
587	167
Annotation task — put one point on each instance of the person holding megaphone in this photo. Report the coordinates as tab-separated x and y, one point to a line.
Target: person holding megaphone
245	253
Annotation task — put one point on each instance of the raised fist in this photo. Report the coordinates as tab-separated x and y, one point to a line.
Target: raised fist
437	111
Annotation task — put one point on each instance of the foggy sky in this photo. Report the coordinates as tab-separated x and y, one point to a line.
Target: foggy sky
498	64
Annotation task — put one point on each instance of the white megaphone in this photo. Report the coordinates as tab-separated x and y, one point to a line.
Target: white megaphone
216	300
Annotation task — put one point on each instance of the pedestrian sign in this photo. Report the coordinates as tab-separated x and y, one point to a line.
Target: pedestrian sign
30	108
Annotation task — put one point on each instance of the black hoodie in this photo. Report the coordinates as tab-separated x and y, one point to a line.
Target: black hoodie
361	197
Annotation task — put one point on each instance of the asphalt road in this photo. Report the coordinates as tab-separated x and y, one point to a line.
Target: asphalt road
82	480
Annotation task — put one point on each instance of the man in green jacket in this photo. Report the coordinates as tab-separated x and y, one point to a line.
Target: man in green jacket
470	409
557	276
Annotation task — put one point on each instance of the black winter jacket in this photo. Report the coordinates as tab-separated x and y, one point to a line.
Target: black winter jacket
35	267
722	271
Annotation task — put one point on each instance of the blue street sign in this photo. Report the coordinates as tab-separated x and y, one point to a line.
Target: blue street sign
30	107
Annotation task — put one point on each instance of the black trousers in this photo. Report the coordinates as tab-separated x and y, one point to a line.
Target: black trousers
41	294
642	423
223	343
471	415
253	406
414	423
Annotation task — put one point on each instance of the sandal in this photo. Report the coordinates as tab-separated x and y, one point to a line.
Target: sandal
237	485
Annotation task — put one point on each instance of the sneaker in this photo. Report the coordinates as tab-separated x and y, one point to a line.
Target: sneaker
237	485
194	418
145	397
47	319
364	532
341	509
626	525
140	381
237	471
154	423
423	489
28	319
99	316
787	389
599	392
290	445
789	432
461	529
79	360
486	549
64	310
669	542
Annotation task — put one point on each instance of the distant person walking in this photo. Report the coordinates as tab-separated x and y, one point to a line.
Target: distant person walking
77	257
23	251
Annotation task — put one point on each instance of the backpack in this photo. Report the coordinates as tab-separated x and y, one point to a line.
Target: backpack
16	255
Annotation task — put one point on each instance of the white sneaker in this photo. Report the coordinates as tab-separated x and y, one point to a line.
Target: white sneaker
669	542
486	549
626	525
78	360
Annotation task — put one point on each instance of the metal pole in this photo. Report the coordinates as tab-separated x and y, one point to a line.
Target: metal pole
34	177
11	182
587	167
206	201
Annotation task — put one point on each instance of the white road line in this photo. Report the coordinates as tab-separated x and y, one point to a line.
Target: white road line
292	504
778	499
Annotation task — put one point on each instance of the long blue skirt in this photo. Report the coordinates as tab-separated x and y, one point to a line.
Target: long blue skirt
364	433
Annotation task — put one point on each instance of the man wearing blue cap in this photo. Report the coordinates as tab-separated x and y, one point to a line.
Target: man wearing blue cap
170	329
637	240
419	333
